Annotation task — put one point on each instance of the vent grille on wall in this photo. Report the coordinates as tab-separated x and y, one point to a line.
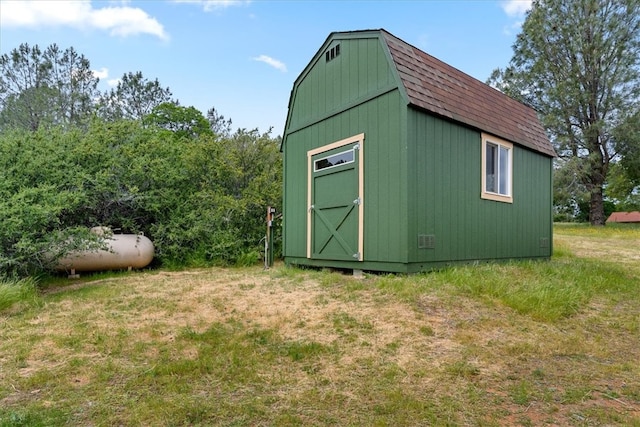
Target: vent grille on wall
544	242
426	241
332	53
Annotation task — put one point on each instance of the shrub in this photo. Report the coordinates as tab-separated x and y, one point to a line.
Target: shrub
200	199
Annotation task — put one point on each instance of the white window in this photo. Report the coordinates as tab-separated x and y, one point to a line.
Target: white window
334	160
497	161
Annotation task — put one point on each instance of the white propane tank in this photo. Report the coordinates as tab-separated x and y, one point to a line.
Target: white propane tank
126	251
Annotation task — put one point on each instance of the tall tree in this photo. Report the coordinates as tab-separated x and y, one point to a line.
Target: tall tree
627	138
182	121
133	98
578	63
75	83
218	124
45	87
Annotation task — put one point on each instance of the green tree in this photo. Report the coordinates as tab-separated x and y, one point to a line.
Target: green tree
75	82
219	125
569	193
578	63
184	121
133	98
47	87
219	198
41	190
627	137
623	189
29	109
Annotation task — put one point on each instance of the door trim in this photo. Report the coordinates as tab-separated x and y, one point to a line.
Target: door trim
352	139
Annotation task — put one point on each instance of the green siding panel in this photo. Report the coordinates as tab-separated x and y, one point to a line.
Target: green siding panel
445	184
360	70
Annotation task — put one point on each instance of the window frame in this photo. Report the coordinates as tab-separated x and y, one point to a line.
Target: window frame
335	165
491	195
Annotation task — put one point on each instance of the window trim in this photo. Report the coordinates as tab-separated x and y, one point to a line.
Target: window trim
490	195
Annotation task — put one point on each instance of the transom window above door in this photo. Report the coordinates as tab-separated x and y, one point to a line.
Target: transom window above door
334	160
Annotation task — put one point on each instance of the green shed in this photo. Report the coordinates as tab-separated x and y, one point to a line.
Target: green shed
395	161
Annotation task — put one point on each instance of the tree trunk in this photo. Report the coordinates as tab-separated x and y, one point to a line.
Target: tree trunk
596	176
596	206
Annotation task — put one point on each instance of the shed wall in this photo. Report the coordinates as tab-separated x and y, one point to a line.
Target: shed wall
356	92
444	162
382	120
360	72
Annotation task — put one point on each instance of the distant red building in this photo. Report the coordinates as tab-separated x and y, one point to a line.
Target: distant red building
624	217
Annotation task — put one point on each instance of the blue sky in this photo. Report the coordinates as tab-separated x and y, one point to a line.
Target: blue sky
242	57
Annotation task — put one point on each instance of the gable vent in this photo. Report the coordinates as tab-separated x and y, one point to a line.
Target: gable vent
332	53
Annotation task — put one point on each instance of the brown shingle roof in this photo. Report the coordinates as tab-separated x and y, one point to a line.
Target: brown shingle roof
439	88
624	217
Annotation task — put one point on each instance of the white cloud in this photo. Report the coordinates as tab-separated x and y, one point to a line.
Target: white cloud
209	5
102	73
272	62
117	20
516	8
126	21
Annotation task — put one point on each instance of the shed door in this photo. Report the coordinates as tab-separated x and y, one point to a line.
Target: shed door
334	224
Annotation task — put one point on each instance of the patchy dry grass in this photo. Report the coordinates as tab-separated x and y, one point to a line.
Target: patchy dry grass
528	343
617	243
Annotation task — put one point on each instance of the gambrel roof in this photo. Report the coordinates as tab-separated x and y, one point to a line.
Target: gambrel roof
439	88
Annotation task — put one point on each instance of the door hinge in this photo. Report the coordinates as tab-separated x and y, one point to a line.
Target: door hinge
356	255
357	201
312	207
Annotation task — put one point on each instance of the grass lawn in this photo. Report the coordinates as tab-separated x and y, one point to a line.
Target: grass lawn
524	343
